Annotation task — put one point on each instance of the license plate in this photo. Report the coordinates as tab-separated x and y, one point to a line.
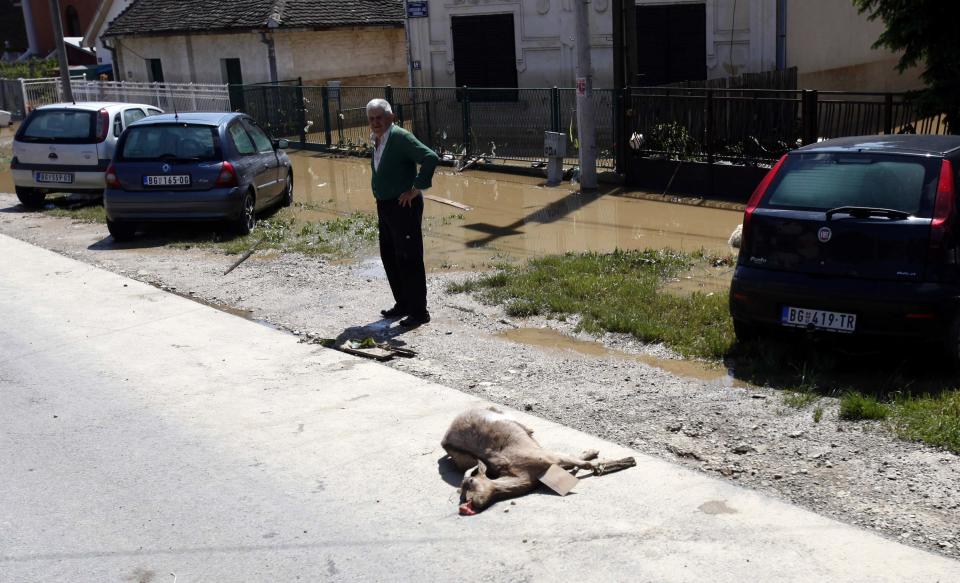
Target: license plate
165	180
55	177
819	319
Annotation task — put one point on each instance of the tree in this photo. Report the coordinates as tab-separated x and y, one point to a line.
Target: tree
926	32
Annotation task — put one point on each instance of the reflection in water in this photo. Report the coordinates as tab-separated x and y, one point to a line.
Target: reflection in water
513	217
554	340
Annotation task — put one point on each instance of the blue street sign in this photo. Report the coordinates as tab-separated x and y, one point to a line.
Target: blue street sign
417	9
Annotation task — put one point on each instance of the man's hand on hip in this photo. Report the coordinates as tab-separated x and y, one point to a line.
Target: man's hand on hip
407	197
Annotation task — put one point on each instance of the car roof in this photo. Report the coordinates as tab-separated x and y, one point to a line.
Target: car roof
193	117
94	105
889	144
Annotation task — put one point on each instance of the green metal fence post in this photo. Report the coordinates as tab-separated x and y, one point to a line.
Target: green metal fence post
620	140
888	113
554	109
302	109
325	98
466	120
708	127
809	105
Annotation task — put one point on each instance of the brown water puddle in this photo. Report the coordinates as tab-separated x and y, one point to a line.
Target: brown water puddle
554	340
514	217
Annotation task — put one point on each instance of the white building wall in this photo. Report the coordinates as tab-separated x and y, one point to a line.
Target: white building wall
543	38
831	44
740	38
374	56
353	56
104	57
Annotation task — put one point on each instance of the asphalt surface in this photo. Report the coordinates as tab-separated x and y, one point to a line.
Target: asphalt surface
146	437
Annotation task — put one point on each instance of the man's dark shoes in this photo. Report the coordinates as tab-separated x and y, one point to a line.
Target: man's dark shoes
394	312
414	320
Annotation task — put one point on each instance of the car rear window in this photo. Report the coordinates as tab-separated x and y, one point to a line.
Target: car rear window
822	181
68	126
174	142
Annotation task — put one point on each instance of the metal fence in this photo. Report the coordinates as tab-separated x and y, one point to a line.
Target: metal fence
456	122
11	98
750	127
747	127
166	96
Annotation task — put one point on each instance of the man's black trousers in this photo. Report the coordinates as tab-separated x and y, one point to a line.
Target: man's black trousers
401	249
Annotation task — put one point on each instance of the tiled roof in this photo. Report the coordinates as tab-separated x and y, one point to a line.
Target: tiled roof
171	16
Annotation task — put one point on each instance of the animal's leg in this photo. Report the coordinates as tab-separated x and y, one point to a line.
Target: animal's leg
568	462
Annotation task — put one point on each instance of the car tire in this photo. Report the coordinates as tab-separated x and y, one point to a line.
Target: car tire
286	199
247	219
121	231
31	198
745	332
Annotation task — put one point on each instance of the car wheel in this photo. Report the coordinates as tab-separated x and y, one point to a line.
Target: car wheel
121	231
286	198
31	198
745	332
248	216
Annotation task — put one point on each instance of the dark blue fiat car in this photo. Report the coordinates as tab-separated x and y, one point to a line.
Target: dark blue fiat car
195	166
855	237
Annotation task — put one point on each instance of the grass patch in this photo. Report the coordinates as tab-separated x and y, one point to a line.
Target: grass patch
81	212
817	413
800	398
855	406
933	420
341	236
615	292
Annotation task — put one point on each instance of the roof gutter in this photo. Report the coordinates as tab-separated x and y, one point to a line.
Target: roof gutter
266	37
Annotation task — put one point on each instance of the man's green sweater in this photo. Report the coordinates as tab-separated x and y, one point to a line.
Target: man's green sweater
398	165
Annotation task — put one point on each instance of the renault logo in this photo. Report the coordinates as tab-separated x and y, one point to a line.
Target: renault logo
824	234
166	168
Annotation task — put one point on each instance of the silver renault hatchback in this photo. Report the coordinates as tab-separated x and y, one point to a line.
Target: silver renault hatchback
67	147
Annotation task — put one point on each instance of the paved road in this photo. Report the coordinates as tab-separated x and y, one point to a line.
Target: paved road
145	437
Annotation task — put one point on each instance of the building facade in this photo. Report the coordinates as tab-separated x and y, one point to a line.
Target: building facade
318	41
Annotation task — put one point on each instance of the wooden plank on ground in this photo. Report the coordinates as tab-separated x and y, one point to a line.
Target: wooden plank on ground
453	203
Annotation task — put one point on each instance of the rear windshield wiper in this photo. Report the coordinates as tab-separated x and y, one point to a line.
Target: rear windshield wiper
867	211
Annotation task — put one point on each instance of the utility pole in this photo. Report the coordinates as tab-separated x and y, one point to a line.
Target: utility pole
585	118
61	50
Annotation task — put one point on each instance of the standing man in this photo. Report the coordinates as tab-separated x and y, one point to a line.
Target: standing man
397	185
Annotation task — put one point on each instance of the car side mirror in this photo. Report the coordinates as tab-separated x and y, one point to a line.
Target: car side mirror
281	144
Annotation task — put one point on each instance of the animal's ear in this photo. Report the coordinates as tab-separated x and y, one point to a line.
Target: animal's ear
481	468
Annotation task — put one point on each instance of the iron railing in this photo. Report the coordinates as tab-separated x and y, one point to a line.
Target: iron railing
166	96
456	122
757	126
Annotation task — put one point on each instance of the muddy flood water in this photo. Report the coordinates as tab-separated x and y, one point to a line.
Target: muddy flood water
513	217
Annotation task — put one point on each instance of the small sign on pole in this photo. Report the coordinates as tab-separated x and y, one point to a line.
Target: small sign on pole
417	9
581	86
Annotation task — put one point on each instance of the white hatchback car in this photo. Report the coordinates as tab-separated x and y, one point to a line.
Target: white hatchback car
67	147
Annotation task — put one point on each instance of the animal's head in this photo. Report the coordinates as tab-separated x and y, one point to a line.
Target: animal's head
476	491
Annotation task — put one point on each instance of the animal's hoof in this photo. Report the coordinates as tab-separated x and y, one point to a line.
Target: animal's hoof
590	454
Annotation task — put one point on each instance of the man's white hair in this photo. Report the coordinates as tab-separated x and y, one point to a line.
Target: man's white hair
381	104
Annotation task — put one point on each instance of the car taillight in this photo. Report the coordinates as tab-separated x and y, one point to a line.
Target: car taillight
111	177
103	125
755	199
942	210
227	176
14	164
